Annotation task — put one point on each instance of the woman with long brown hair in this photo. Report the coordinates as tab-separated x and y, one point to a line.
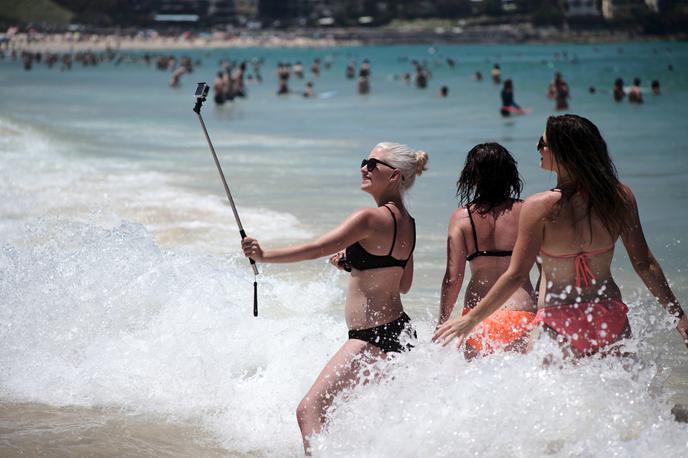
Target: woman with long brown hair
574	228
482	233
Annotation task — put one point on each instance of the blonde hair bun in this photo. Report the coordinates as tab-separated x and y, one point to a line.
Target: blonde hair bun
410	162
421	162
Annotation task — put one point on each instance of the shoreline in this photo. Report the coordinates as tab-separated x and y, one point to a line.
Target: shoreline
492	34
31	427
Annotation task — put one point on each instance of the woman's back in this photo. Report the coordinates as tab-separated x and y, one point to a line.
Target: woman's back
577	251
489	239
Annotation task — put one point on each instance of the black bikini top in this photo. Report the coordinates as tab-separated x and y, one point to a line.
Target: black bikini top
479	252
358	258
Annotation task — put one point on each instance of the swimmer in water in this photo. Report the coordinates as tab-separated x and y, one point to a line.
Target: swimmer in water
363	85
496	74
508	104
618	91
308	91
635	94
559	91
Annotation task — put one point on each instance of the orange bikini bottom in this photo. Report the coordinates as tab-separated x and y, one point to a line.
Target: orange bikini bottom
500	329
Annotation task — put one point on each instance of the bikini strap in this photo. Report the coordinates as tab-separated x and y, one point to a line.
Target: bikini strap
394	238
573	255
475	234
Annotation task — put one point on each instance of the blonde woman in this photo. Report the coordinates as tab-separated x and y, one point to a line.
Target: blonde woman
376	245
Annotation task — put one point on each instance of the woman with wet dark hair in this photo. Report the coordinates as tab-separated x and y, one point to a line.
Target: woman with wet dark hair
574	228
482	232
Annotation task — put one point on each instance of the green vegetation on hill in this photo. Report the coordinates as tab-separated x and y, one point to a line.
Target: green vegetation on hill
34	11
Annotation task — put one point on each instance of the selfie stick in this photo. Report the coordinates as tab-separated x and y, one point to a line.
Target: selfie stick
201	93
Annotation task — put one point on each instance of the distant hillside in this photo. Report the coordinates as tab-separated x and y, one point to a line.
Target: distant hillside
36	11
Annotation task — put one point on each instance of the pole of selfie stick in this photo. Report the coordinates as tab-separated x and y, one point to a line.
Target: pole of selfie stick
197	109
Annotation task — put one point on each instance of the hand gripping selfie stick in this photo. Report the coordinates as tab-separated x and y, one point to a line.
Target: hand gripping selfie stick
201	93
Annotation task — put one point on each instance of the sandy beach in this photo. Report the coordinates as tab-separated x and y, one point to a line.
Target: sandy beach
75	42
311	38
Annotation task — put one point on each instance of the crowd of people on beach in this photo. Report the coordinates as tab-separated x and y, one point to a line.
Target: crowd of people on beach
569	232
232	76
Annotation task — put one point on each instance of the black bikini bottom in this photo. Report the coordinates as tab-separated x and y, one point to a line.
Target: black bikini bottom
386	336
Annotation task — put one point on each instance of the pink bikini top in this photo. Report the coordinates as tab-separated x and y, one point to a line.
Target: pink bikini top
581	259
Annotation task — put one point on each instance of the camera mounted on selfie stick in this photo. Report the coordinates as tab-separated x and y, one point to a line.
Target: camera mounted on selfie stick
201	94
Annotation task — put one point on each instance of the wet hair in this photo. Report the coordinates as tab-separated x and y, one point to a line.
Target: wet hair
618	82
409	162
489	177
578	146
636	81
509	85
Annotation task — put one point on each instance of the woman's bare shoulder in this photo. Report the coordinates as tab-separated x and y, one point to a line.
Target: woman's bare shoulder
457	218
459	214
365	217
627	193
542	198
541	203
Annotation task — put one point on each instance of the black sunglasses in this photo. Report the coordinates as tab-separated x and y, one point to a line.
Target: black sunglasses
541	144
371	164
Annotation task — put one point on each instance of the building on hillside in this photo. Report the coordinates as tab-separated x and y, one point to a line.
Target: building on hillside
220	12
198	12
179	11
246	9
581	8
618	10
509	5
653	5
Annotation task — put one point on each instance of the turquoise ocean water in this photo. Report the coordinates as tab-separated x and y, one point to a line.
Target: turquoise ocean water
122	285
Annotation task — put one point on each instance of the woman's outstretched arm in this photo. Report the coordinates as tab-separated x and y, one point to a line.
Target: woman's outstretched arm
456	267
530	234
648	269
356	227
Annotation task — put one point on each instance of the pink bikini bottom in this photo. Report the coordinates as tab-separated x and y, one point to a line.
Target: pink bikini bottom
587	326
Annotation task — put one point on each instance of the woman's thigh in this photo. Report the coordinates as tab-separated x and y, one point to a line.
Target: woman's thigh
343	370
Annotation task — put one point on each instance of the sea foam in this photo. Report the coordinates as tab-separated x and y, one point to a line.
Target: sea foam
98	316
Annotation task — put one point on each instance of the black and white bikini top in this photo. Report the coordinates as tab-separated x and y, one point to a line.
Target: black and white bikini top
358	258
478	252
